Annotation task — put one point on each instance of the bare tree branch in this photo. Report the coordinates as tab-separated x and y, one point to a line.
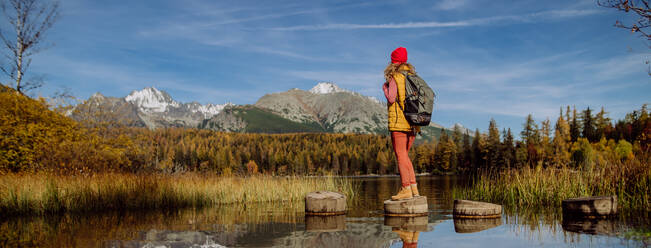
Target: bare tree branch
30	20
643	23
639	7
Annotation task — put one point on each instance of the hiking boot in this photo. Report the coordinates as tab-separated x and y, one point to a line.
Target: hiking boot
414	190
405	193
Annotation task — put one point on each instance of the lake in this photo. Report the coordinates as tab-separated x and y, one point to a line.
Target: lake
284	225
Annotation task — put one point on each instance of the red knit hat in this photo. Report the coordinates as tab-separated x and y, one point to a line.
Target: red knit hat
399	55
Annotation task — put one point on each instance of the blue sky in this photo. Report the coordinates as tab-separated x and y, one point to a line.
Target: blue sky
485	59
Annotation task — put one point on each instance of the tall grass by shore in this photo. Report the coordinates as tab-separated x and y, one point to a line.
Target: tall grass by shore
548	187
46	193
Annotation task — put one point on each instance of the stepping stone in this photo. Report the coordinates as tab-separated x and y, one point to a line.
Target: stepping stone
476	209
593	206
416	206
325	203
412	224
465	225
318	223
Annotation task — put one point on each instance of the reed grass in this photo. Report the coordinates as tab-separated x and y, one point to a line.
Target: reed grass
46	193
548	187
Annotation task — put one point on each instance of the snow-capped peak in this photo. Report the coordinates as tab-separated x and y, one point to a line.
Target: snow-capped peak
151	99
97	96
373	99
326	88
460	127
209	110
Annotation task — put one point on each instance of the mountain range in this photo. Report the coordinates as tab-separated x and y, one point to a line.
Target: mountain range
324	108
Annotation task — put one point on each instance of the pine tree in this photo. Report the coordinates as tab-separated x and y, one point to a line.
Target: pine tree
452	151
521	155
602	124
546	149
478	147
531	138
466	153
508	152
457	135
568	119
444	153
441	146
588	125
493	145
530	132
561	142
574	126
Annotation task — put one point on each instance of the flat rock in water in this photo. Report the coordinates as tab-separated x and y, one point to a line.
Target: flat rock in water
325	203
476	209
466	225
325	223
413	224
416	206
593	206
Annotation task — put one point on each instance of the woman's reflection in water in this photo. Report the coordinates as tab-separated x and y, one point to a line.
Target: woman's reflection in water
407	228
409	238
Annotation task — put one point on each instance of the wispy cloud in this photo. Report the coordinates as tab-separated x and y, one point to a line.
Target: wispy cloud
228	28
348	79
538	86
285	53
532	17
450	4
124	79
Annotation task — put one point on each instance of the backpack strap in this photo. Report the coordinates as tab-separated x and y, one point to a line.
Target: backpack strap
406	81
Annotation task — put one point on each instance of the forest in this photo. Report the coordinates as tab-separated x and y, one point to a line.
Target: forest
36	138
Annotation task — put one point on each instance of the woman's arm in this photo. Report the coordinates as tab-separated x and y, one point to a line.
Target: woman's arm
390	91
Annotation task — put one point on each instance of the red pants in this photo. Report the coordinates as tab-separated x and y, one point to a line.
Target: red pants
402	141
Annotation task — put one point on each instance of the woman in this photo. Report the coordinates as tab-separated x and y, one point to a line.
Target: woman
402	133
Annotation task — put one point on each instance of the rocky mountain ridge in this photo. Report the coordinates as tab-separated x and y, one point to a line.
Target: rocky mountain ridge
148	107
324	108
332	108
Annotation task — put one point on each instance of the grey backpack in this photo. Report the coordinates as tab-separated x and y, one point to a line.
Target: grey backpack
419	100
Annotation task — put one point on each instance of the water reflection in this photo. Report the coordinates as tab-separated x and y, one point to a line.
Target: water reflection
475	225
590	226
408	228
325	223
166	238
284	225
412	224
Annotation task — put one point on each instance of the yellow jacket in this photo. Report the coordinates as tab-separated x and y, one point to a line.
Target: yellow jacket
397	121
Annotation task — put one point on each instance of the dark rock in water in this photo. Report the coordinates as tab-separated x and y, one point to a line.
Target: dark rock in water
414	224
325	223
468	225
593	206
325	203
475	209
416	206
590	226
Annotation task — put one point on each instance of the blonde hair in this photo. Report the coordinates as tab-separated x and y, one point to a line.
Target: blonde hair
392	69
